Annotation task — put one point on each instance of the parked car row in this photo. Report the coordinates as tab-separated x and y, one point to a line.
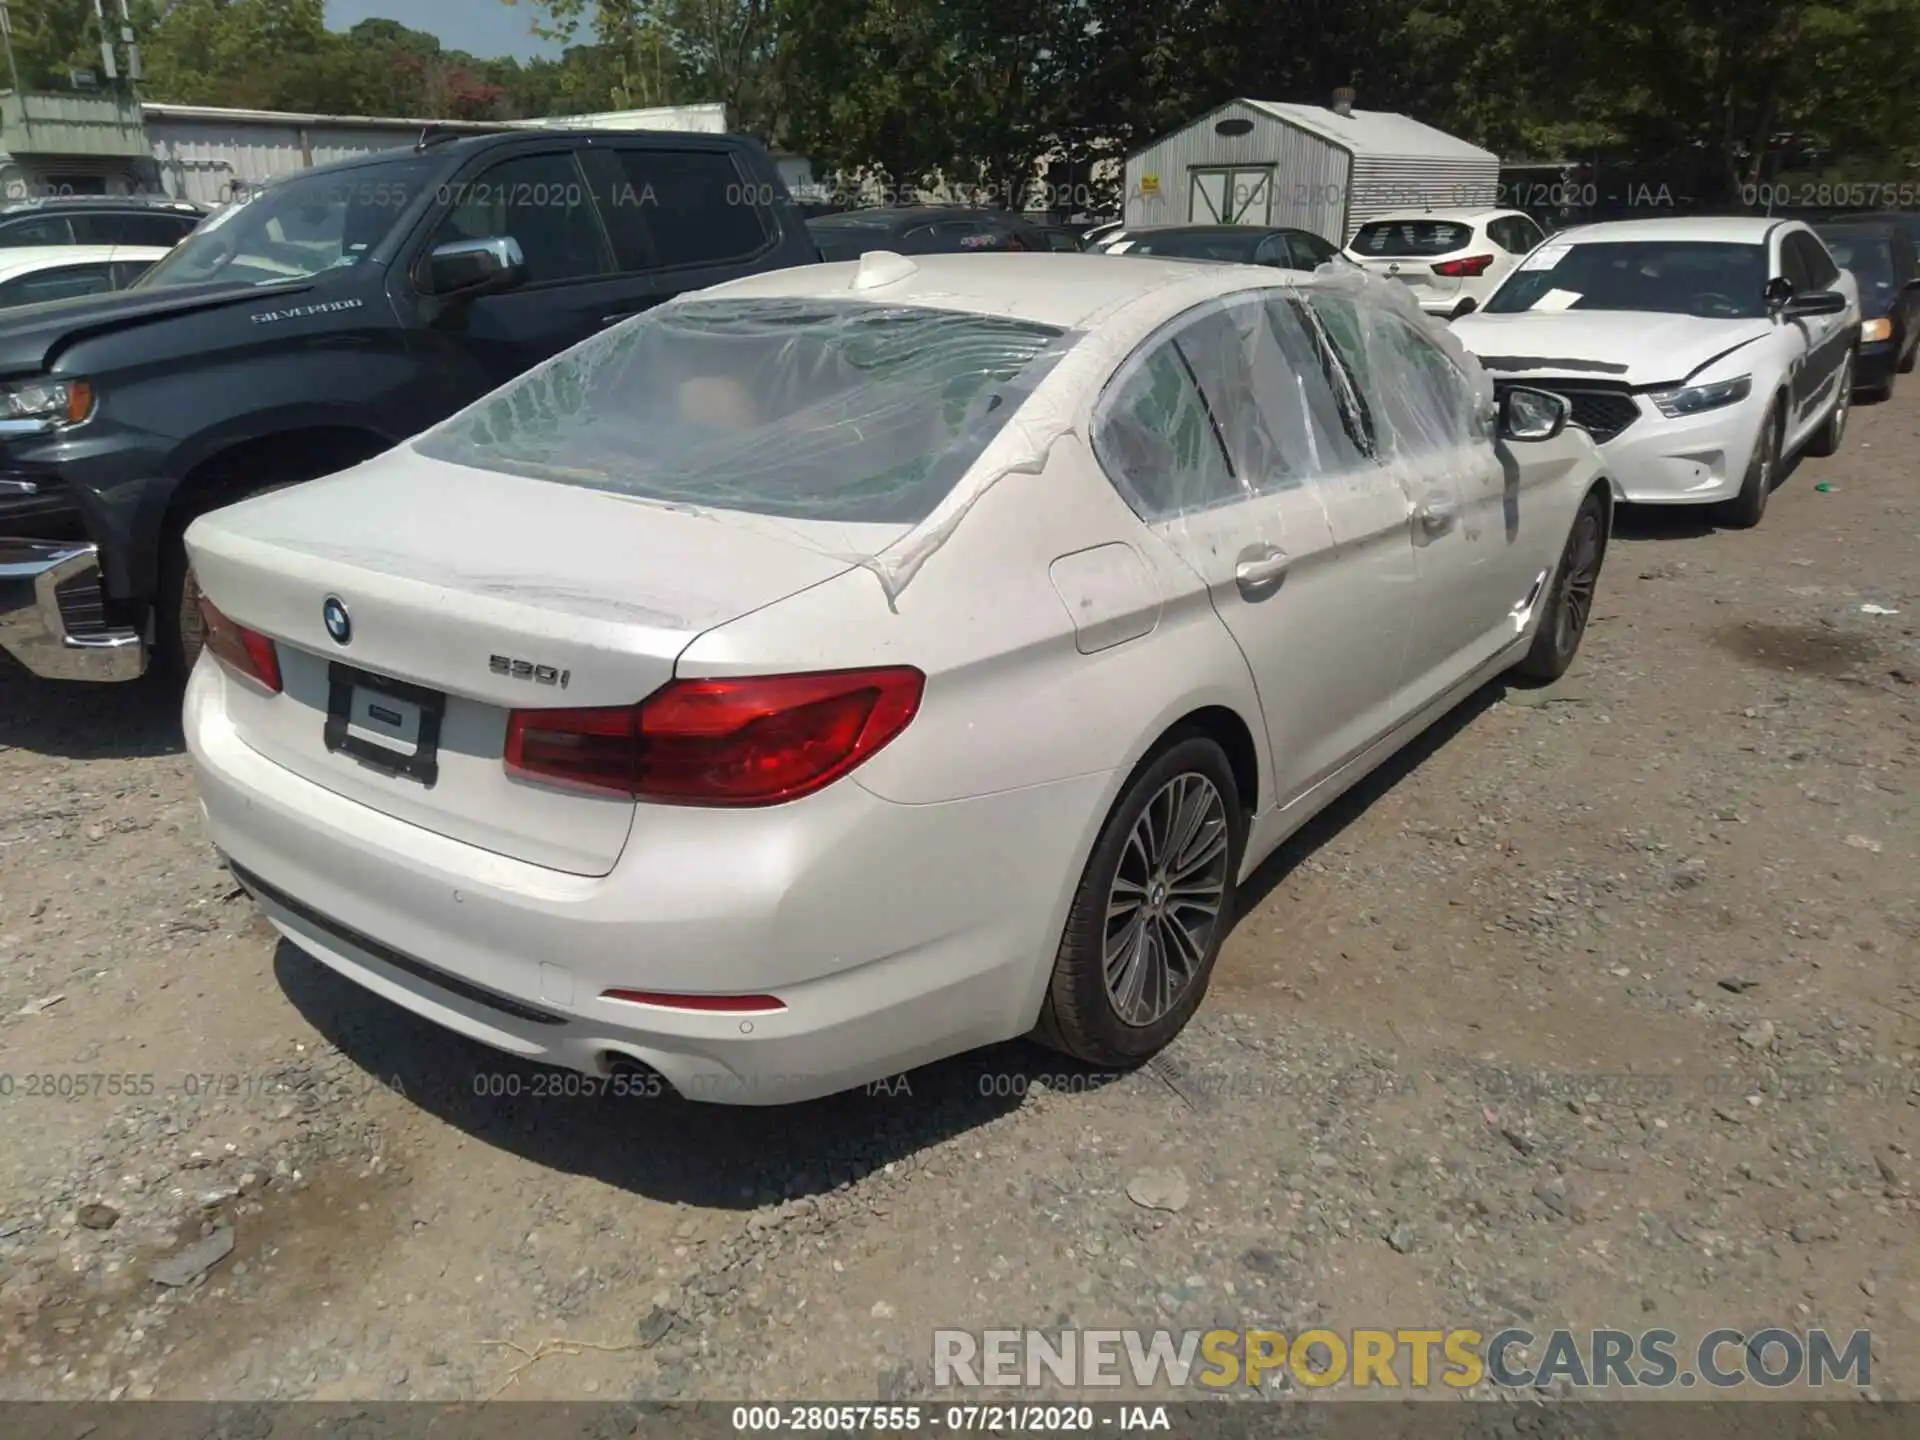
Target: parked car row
682	661
536	524
676	603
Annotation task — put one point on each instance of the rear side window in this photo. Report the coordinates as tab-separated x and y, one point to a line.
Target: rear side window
1237	401
36	230
61	284
1309	251
1411	238
1155	435
804	409
695	205
131	228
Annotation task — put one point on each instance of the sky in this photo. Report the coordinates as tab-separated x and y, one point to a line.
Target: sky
480	27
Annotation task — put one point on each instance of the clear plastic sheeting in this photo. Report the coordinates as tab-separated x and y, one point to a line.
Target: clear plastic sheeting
868	412
830	410
1284	386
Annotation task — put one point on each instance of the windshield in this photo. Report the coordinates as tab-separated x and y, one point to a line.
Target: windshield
1713	279
1411	237
296	228
806	409
1868	256
1205	245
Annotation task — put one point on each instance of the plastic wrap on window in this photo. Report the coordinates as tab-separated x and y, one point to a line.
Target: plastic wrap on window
863	413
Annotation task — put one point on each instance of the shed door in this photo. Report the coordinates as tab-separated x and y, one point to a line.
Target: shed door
1241	195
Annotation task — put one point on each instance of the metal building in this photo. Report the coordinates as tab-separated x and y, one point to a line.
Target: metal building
1261	162
210	154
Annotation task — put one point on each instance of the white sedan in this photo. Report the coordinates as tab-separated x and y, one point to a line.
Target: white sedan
1701	354
849	666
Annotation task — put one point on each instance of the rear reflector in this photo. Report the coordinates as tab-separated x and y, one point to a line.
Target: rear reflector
705	1004
1464	269
246	653
754	741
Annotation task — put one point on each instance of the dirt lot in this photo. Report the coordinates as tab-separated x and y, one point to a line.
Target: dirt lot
1600	1008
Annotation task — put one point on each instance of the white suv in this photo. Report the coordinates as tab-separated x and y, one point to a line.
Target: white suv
1452	260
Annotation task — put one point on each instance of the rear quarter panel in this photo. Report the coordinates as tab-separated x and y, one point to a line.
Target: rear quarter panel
1012	701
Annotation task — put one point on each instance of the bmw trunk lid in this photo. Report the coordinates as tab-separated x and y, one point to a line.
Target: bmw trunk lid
409	596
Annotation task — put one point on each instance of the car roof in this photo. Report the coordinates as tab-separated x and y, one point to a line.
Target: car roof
1158	230
44	204
1064	289
25	259
1707	229
1872	225
1460	213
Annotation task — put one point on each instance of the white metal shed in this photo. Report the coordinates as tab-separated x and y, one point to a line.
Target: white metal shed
1262	162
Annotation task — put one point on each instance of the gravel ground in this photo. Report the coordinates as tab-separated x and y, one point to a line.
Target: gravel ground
1598	1008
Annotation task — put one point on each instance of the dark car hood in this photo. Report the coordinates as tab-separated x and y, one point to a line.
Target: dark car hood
31	336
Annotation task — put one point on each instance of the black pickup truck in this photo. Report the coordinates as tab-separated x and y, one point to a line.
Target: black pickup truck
328	318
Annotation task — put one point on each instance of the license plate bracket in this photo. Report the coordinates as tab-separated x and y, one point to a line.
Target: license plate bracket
349	688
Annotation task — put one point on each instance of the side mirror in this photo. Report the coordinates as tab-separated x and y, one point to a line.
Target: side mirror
474	267
1778	292
1817	302
1532	414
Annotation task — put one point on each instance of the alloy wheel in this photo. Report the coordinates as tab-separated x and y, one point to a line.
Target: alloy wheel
1164	905
1583	578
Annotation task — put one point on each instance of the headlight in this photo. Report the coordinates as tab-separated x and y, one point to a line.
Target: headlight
64	402
1694	398
1872	330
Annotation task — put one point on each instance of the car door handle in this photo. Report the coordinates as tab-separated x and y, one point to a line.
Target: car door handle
1259	571
1437	517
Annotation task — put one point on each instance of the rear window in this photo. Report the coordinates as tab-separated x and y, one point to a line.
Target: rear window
804	409
1235	249
1412	237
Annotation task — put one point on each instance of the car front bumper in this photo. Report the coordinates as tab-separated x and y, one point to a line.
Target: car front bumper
1874	365
1694	460
52	614
895	935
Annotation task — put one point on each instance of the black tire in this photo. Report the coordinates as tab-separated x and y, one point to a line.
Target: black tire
1563	624
1826	440
179	632
1743	512
1081	1014
1908	356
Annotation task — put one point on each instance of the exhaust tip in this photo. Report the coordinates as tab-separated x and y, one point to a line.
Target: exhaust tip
633	1077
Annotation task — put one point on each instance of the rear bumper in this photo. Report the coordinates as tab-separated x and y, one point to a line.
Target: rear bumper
51	614
895	935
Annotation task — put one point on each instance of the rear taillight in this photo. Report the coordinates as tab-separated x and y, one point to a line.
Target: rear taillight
757	741
246	653
1464	269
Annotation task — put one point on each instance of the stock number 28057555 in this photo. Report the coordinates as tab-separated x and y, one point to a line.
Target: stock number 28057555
566	1085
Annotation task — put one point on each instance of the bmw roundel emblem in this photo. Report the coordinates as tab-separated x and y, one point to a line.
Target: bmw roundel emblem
339	624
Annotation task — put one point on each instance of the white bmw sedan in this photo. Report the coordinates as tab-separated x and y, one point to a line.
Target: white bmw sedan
849	666
1701	354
